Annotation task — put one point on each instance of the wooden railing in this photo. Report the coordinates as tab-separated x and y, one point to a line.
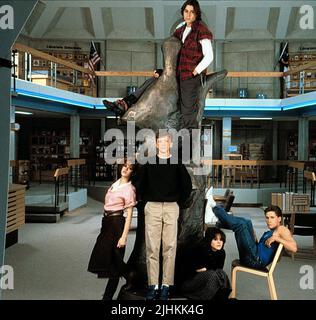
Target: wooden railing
232	74
225	171
48	57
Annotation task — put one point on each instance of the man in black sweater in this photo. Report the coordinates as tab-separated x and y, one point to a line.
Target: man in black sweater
163	185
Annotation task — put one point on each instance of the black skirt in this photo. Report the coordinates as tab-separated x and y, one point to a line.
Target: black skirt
205	285
106	258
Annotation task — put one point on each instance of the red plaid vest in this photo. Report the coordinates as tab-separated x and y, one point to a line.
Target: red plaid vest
191	52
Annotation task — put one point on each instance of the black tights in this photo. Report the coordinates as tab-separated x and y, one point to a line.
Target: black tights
111	288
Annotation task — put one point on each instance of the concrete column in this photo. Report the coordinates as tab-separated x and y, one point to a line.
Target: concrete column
217	65
74	136
159	56
303	139
5	101
12	134
103	128
217	140
277	81
12	141
227	135
13	19
218	55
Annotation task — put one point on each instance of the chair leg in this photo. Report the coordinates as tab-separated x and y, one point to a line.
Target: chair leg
272	289
234	276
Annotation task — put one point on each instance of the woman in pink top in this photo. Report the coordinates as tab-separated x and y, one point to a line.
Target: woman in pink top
107	255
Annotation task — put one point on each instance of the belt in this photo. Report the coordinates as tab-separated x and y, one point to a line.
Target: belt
113	213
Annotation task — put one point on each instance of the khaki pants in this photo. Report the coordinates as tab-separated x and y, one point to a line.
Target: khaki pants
161	223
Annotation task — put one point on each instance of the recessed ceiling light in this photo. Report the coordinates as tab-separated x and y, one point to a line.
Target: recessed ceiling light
24	112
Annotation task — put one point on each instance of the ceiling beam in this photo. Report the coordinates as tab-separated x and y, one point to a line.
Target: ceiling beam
159	22
97	22
179	3
43	21
221	16
283	22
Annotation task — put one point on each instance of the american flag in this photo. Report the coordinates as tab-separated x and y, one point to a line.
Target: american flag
93	62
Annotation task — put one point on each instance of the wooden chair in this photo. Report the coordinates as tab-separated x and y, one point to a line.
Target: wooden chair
249	174
267	274
229	172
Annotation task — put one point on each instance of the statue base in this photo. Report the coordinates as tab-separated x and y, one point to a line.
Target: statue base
131	294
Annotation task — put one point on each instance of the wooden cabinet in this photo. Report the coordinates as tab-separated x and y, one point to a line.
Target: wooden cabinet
15	213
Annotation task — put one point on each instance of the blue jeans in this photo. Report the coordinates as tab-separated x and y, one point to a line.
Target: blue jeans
244	235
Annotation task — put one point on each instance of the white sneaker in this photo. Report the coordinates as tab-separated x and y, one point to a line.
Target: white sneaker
210	217
210	200
209	192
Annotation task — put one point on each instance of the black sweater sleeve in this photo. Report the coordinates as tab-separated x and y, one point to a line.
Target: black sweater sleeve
185	184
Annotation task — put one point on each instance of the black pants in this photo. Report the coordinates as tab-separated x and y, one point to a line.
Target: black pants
133	98
111	288
189	90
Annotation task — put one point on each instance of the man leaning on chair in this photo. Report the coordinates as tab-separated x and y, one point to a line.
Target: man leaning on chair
252	253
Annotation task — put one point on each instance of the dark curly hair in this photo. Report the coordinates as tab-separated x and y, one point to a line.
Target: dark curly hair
211	232
195	4
121	165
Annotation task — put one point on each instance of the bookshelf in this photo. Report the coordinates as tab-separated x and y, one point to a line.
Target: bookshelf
103	171
306	83
66	78
49	149
291	202
292	147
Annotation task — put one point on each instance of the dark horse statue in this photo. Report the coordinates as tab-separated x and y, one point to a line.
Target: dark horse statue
158	108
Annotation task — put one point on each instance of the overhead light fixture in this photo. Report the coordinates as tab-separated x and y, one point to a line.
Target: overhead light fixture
111	117
24	112
248	118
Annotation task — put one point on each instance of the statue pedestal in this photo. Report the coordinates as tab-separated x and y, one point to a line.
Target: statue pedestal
125	294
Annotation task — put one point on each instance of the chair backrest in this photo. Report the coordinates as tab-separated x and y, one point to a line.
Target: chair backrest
276	258
227	192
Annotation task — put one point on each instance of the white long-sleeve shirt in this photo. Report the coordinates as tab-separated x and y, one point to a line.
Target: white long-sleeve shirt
207	50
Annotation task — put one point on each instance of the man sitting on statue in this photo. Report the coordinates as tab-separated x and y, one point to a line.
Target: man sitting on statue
120	106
